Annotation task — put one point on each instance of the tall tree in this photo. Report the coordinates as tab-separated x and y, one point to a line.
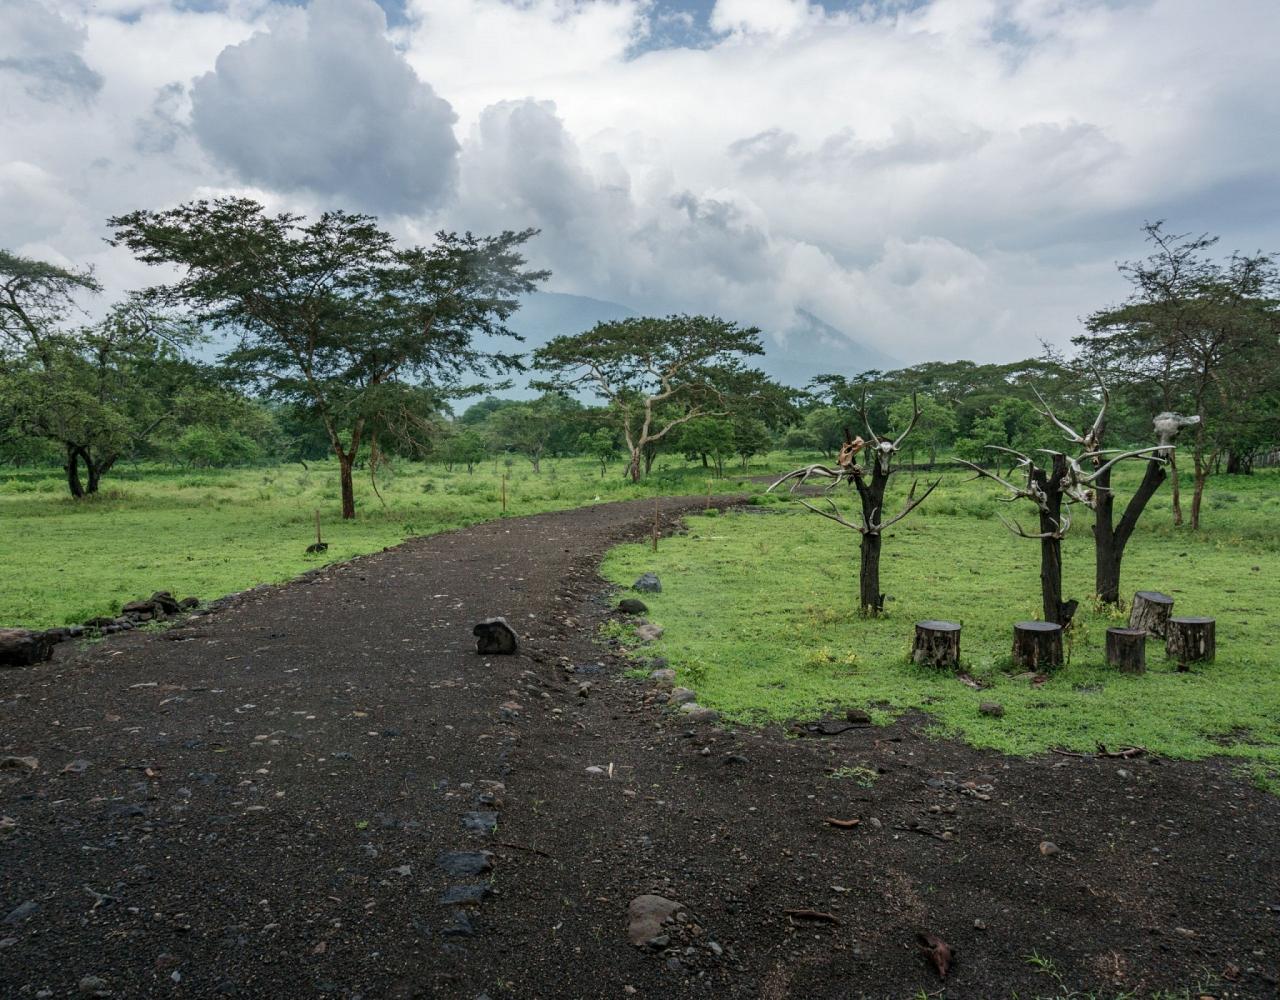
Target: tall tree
656	374
328	311
1197	331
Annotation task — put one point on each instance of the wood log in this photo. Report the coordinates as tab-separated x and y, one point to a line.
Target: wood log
937	644
1127	649
1190	640
1151	610
1037	645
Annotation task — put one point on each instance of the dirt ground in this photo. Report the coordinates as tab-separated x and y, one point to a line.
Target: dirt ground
289	797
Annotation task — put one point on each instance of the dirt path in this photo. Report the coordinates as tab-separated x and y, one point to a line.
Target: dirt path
258	803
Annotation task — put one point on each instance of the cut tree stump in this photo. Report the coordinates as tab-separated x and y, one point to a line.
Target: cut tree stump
1151	610
937	644
1037	645
1190	640
1127	649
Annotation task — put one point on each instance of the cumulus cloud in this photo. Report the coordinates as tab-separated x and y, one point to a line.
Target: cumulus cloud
936	178
43	51
323	103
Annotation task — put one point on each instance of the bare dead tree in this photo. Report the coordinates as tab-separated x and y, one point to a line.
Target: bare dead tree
1053	487
1109	536
871	485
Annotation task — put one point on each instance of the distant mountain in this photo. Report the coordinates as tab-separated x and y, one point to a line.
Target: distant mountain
543	315
815	347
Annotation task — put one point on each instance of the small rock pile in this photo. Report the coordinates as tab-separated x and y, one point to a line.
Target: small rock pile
22	647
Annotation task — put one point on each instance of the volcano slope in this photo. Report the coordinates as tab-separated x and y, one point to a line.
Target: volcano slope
321	789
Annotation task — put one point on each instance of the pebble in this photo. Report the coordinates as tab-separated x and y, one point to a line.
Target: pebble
648	583
1048	848
93	986
480	822
715	948
991	708
645	916
464	862
649	632
22	912
858	717
682	696
663	676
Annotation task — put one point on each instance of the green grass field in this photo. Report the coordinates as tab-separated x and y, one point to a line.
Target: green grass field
210	533
759	611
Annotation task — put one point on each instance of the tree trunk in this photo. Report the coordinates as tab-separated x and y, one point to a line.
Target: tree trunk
1150	612
1127	649
869	574
705	463
1110	539
537	464
937	644
633	469
1190	640
1037	645
1176	487
1197	495
95	474
1056	610
348	487
73	472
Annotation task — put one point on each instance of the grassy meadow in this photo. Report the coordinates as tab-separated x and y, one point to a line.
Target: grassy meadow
211	532
760	614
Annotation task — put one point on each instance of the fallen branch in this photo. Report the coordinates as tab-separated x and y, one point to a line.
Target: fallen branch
1125	753
521	847
826	918
843	824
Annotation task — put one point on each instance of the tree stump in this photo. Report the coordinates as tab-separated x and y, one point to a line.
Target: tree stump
1190	640
937	645
1151	610
1037	645
494	635
1127	649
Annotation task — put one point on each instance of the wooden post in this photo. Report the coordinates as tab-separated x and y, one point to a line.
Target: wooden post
1127	649
708	507
318	539
655	523
1151	610
1037	645
504	493
1190	640
937	644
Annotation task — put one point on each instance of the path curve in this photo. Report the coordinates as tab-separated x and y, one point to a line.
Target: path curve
256	803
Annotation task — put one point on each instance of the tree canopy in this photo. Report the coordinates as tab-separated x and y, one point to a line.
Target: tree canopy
327	311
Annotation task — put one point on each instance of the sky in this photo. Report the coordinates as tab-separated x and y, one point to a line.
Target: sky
938	180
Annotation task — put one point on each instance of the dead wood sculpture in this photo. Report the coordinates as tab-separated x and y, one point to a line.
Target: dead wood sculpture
1109	536
1083	479
870	484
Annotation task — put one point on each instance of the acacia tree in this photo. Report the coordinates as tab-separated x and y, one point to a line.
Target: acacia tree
98	391
871	486
656	374
328	311
1201	330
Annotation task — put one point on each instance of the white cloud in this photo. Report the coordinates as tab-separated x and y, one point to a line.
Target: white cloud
953	178
322	103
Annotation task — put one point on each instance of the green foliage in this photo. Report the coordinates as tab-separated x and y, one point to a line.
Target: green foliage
331	314
218	531
754	600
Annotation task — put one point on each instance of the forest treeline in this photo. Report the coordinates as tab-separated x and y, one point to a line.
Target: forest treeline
343	343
